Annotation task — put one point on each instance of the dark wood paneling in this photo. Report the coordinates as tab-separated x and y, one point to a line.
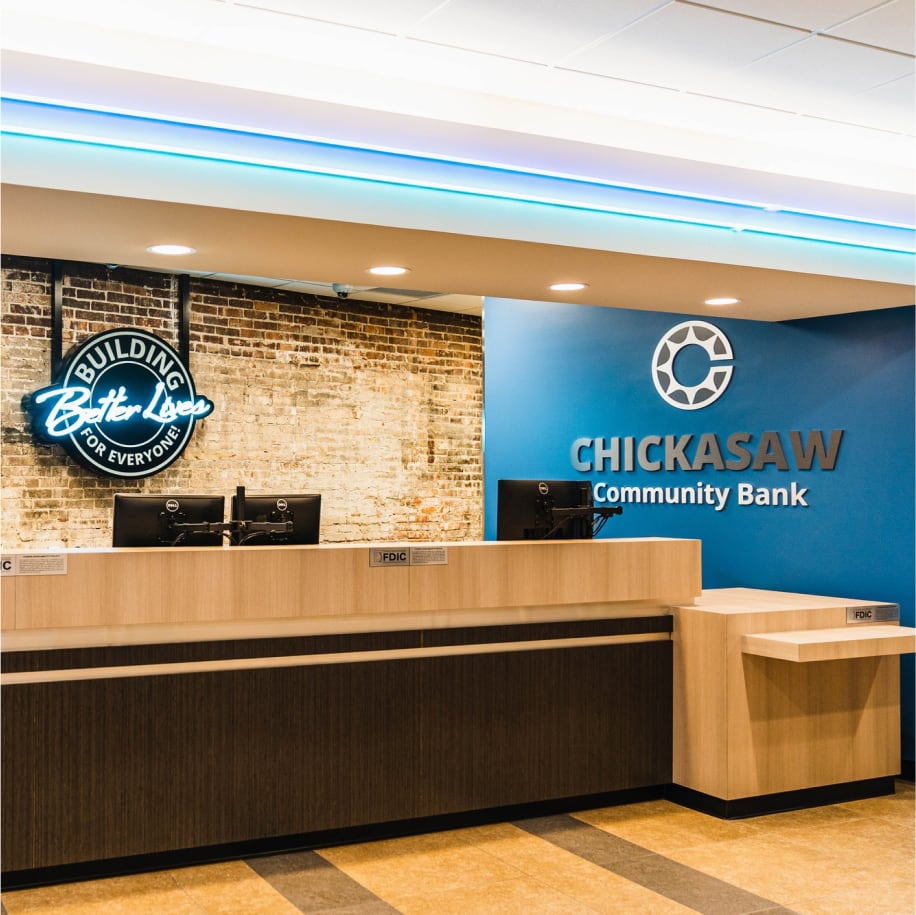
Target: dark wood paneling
515	727
97	769
109	768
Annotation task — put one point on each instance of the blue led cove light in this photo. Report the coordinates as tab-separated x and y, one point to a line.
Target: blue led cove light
129	132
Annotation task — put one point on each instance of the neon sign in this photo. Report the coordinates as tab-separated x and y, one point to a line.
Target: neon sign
123	405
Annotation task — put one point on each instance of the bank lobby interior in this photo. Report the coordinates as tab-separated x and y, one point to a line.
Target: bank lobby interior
494	149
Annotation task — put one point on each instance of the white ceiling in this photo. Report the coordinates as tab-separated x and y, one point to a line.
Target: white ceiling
781	104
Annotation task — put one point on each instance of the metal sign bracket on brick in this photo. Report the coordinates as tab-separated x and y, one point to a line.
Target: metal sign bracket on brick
57	318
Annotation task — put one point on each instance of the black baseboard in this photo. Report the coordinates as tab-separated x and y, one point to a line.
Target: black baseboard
135	864
741	808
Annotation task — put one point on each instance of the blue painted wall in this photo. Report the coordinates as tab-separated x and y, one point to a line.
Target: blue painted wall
556	373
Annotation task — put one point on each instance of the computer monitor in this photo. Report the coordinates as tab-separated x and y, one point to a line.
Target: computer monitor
167	520
544	510
299	514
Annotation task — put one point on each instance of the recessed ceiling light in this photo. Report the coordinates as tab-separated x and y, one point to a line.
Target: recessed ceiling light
388	270
723	300
568	287
171	249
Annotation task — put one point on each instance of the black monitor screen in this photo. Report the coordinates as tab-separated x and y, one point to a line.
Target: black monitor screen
543	509
166	520
300	515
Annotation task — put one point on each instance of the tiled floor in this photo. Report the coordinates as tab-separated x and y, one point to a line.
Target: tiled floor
651	857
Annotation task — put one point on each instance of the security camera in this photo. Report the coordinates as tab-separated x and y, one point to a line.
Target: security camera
342	290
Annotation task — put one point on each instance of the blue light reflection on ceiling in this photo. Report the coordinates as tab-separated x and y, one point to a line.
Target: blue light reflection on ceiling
22	117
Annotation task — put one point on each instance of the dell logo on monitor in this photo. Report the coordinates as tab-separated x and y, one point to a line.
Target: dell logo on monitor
123	405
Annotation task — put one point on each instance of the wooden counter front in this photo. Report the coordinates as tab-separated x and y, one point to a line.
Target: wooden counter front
126	587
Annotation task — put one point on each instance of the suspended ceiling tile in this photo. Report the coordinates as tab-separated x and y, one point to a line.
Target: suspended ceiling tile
890	108
684	46
246	31
830	67
898	95
535	30
892	26
886	106
881	110
811	15
393	16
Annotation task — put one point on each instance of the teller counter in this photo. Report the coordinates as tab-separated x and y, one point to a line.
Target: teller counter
173	705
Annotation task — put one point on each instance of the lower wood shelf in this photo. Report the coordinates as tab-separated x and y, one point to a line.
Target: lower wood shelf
802	646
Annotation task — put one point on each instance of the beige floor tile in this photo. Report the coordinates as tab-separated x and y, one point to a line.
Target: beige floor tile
515	847
806	818
858	839
643	810
385	849
604	895
491	832
507	897
770	866
220	889
663	830
143	894
876	898
900	807
397	868
605	891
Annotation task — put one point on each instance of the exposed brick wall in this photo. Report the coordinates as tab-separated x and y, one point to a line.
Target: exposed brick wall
377	407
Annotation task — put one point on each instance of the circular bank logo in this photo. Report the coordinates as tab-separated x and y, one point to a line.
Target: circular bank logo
123	405
665	368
